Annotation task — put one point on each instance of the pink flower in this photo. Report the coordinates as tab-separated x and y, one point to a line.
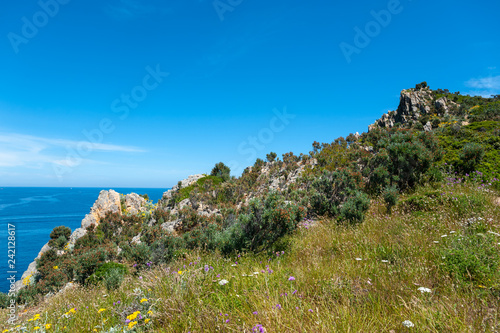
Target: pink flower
291	278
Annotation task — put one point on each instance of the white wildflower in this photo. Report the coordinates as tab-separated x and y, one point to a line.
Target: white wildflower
223	282
424	290
408	323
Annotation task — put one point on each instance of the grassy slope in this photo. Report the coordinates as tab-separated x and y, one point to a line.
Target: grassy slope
335	291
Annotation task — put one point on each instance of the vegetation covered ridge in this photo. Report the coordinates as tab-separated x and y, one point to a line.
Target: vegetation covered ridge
393	229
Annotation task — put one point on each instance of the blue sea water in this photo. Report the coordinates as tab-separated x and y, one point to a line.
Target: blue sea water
35	211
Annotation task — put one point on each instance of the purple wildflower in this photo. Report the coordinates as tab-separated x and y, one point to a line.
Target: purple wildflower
291	278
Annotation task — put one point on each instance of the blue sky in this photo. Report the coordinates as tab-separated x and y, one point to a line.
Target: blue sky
129	93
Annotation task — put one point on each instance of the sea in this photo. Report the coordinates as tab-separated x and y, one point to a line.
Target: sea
30	213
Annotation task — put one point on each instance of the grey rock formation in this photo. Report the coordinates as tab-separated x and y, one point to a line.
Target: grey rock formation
134	203
412	105
108	201
137	239
171	226
428	127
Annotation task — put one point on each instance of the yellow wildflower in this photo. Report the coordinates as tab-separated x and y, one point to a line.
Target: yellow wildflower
133	315
48	326
144	300
146	320
55	267
6	330
150	312
180	272
101	310
36	328
132	324
26	280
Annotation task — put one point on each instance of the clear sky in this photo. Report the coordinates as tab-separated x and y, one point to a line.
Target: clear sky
142	93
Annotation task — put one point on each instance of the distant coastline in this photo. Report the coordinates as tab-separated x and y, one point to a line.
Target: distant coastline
37	210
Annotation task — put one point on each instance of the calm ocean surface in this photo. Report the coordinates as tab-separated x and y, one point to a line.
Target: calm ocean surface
35	211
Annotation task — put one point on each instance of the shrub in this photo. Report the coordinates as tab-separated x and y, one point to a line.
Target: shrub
332	190
60	231
263	223
47	261
470	156
59	237
4	300
271	156
104	269
353	210
222	171
28	295
137	253
113	279
402	157
390	195
84	263
111	273
167	248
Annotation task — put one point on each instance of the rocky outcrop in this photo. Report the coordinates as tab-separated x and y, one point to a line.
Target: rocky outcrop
414	104
134	203
108	201
183	183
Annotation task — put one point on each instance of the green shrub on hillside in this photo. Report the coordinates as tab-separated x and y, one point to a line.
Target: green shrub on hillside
83	263
263	223
390	195
471	156
402	158
222	171
338	194
59	237
111	273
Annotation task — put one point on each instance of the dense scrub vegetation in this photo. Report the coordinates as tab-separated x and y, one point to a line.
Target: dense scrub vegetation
415	207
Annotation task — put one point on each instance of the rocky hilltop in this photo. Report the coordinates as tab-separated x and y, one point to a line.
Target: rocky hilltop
417	104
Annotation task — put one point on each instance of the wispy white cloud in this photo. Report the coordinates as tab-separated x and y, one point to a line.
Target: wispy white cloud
34	152
484	86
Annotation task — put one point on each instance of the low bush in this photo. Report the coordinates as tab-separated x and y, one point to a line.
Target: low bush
105	269
264	222
111	273
59	237
338	194
390	195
